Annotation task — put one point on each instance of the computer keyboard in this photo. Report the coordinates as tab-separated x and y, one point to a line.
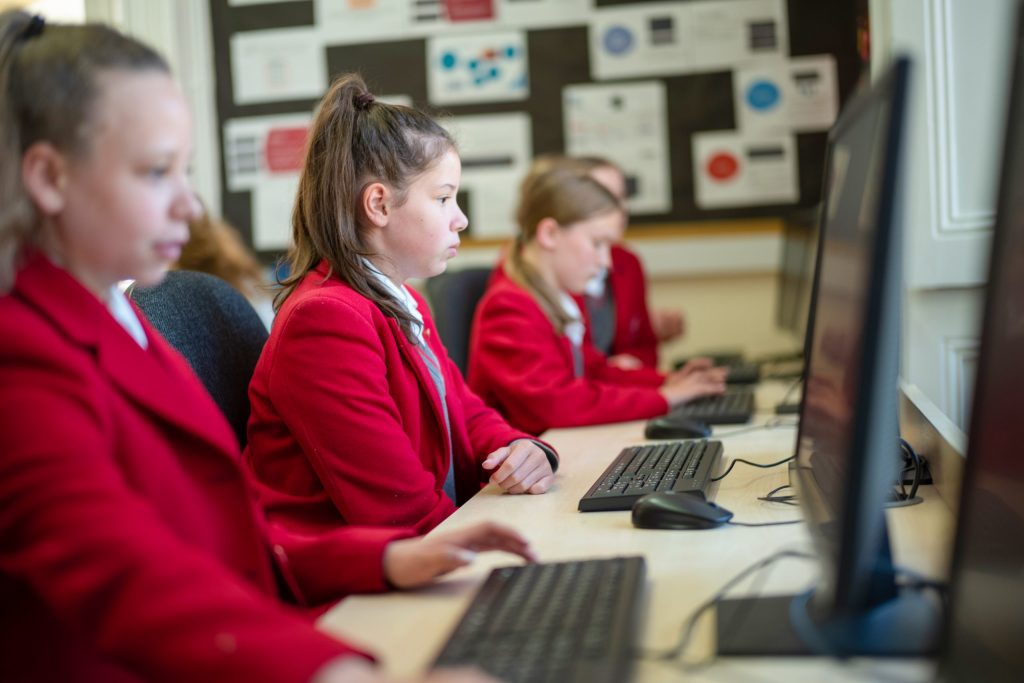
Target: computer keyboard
559	622
743	373
735	406
684	466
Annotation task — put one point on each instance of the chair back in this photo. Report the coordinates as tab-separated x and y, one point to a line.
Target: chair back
453	297
216	329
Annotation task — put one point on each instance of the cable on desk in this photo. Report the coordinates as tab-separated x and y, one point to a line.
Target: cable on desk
732	464
773	423
788	521
770	497
680	647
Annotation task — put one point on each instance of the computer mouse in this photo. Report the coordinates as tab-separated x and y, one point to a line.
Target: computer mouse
670	510
672	427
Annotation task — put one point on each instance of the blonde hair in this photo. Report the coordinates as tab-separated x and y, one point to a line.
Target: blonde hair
356	140
566	194
215	247
49	86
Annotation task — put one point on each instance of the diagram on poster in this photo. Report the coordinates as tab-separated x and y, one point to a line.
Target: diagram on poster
798	95
478	68
264	155
496	153
653	39
282	64
732	169
626	123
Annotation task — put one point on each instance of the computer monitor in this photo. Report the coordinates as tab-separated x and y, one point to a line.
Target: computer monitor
848	440
985	629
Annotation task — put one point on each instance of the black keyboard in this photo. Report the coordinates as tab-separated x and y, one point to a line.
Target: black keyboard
684	466
553	623
735	406
744	373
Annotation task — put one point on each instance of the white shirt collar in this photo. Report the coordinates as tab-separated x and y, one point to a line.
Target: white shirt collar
403	296
574	328
124	314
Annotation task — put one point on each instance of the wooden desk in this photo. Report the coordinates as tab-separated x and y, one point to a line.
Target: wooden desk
684	568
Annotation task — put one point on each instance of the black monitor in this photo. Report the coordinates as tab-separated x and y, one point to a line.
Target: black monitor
848	440
985	631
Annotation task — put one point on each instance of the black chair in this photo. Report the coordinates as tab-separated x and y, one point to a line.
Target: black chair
453	298
215	328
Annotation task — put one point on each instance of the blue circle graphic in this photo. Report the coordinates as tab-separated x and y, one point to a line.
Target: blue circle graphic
448	60
763	95
618	40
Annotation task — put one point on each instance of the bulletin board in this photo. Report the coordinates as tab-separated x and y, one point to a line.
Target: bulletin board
716	109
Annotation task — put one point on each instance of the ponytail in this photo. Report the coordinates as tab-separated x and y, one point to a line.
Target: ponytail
356	140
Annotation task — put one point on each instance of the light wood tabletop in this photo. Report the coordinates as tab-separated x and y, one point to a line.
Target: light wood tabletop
684	568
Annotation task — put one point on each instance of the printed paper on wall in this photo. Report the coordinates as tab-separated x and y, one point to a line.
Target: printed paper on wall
626	123
733	169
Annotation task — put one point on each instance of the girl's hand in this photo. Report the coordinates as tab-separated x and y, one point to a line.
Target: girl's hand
624	361
520	467
667	325
683	385
417	561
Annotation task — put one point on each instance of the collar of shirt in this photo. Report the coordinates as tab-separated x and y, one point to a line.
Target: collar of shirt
596	285
125	315
403	297
574	328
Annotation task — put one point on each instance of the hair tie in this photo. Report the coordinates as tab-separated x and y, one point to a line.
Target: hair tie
33	28
363	100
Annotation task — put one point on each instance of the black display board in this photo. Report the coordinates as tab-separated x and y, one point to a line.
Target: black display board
557	58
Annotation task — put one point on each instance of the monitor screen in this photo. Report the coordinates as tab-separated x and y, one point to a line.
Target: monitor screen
848	441
986	625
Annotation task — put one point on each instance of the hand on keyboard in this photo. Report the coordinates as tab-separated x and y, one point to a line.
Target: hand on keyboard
417	561
696	379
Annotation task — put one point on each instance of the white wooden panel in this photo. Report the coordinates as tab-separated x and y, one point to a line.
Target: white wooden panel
955	121
940	337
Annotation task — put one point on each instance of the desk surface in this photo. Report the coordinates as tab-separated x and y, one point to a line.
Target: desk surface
684	568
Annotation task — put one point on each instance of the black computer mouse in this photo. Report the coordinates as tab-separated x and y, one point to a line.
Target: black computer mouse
670	510
672	427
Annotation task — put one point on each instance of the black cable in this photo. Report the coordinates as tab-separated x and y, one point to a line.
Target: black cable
680	647
752	464
770	497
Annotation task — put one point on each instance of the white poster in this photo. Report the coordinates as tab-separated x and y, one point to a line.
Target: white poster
798	95
282	64
671	38
479	68
496	153
544	13
367	21
264	155
732	169
727	33
625	122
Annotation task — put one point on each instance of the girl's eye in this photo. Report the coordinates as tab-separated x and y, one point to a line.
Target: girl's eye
158	172
444	200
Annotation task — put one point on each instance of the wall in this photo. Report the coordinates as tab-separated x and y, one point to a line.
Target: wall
955	125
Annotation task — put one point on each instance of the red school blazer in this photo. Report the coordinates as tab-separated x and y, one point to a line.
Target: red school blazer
129	544
347	426
523	367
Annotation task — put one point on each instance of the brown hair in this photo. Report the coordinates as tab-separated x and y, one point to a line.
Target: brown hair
49	84
215	247
356	140
553	188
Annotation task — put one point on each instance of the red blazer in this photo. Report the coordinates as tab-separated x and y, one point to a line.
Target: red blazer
522	366
347	426
634	333
129	547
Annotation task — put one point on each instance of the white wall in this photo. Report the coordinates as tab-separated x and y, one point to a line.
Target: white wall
961	53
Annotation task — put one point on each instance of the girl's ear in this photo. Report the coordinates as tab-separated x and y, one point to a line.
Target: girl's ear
44	173
376	204
548	231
